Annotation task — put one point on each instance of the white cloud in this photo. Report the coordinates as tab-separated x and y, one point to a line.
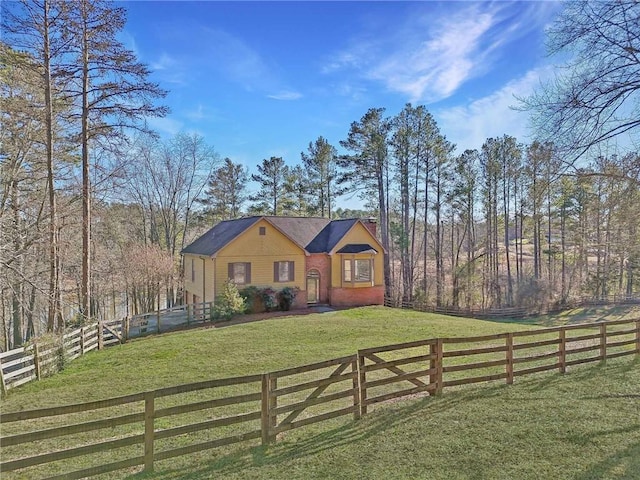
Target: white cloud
491	116
165	125
164	62
129	42
169	69
242	63
237	60
199	112
435	68
286	95
430	55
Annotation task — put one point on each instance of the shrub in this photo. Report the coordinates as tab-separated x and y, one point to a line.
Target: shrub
269	299
286	296
228	303
253	299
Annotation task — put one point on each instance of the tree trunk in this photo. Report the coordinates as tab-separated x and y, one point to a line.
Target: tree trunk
53	314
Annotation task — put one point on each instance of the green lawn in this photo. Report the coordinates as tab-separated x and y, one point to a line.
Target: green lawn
583	425
583	315
204	354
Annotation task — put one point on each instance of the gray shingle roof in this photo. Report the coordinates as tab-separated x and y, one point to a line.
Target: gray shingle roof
330	236
301	230
357	248
315	235
219	236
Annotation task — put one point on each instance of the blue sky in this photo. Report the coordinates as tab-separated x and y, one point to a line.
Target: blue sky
261	79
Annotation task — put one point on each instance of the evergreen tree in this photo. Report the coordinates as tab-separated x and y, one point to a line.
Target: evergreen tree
273	195
226	191
321	170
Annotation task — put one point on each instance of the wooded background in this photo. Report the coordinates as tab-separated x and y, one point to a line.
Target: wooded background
95	207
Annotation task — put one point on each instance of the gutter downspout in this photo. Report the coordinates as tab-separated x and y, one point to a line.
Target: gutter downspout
215	287
204	279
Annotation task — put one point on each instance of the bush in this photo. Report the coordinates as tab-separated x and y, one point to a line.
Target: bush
269	299
286	297
228	303
252	299
259	300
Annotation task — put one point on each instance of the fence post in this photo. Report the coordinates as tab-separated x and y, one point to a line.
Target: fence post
362	383
125	329
509	358
562	353
638	337
3	386
264	418
439	350
433	367
148	430
188	313
36	359
356	388
603	342
100	335
268	419
81	340
273	404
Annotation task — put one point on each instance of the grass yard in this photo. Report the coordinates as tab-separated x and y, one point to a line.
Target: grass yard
583	315
204	354
583	425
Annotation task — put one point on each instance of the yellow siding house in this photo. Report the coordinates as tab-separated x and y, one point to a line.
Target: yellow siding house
337	262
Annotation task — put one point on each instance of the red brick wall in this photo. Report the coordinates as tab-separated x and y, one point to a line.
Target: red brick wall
300	301
351	297
322	263
371	225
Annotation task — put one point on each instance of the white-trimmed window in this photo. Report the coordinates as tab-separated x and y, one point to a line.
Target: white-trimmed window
362	270
347	270
283	271
357	270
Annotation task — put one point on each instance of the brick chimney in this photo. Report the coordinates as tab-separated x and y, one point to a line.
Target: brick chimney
371	224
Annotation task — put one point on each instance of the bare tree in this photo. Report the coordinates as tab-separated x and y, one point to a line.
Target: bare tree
112	93
166	181
596	96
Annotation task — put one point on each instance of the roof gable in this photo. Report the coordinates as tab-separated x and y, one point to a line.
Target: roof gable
219	236
314	235
330	235
301	230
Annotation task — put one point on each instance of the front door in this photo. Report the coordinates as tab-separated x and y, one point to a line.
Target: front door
313	286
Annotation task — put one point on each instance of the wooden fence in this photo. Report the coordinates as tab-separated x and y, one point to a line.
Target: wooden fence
180	420
47	354
511	312
168	319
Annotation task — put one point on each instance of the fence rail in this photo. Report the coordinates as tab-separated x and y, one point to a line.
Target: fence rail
46	355
265	405
511	312
168	319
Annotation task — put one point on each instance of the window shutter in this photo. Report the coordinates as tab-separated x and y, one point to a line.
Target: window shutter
247	273
292	272
230	271
276	271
